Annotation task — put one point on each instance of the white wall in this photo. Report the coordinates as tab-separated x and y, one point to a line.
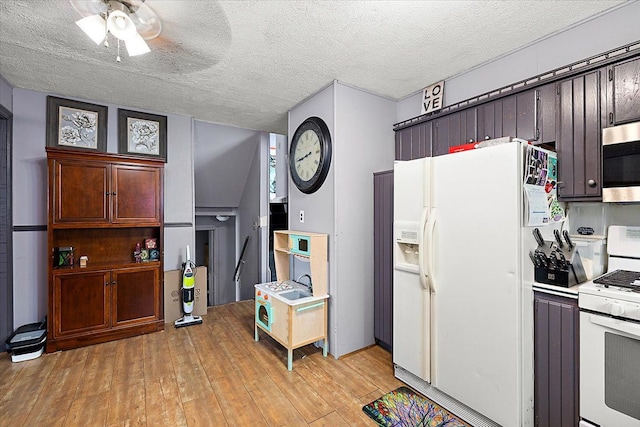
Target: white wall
30	197
606	32
363	143
282	165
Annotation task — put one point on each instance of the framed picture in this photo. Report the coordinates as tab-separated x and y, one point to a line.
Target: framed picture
142	134
76	124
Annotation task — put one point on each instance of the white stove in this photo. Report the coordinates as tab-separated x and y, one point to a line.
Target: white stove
610	336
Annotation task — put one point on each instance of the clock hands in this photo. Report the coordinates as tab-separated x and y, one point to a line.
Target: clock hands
304	157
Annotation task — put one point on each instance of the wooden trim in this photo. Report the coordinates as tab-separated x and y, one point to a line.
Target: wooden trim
19	228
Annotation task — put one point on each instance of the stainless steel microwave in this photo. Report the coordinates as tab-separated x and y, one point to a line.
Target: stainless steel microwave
621	163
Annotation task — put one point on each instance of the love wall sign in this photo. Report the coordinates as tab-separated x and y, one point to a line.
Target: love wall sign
432	97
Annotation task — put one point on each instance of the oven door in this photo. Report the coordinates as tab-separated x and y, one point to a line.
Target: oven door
264	313
621	163
609	371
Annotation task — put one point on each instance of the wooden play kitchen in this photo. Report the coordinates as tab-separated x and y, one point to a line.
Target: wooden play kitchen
293	312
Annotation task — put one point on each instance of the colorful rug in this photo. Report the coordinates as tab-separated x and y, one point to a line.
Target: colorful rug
405	408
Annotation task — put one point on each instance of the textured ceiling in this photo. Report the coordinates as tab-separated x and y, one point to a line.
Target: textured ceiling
245	63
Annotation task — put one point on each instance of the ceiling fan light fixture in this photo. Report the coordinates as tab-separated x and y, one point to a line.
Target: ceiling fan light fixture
130	21
136	45
94	26
121	26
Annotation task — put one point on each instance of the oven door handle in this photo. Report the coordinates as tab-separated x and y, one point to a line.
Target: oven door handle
617	325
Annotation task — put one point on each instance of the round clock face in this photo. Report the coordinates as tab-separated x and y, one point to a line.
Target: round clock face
310	155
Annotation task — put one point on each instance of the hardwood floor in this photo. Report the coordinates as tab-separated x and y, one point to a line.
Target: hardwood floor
213	374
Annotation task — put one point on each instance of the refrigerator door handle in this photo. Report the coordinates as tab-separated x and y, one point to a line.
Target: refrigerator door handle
432	227
421	250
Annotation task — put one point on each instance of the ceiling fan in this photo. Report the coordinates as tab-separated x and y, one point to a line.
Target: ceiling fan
129	21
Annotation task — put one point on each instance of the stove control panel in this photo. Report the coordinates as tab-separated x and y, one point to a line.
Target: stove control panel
610	306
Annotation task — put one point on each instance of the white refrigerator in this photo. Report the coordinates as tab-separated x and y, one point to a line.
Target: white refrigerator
463	299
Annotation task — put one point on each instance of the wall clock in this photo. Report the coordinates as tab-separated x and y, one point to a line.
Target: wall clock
310	155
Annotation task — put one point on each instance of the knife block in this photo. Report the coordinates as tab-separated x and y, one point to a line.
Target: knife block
572	275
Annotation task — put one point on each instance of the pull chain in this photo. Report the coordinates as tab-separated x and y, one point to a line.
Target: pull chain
118	57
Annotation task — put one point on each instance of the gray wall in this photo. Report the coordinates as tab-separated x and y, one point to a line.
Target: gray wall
361	130
223	157
231	174
364	145
249	214
609	31
30	197
6	94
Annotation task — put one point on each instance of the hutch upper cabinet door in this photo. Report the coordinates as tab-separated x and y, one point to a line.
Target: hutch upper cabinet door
136	195
80	192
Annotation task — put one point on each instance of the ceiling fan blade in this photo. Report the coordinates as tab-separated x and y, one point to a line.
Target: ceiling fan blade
147	22
94	26
136	46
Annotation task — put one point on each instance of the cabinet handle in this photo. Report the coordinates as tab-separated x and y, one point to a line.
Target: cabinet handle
320	304
113	283
536	131
470	140
591	183
611	118
107	193
107	284
113	194
487	137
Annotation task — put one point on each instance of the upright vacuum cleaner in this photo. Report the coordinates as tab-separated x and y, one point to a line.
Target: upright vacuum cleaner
188	294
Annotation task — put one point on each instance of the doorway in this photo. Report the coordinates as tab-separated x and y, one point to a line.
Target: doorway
215	249
6	227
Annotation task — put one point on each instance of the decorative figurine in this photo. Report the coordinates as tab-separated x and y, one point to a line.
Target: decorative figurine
137	254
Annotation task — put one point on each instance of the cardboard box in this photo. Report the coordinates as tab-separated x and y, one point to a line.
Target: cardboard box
173	298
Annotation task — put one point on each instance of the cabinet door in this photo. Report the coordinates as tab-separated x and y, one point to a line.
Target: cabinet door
556	361
280	321
383	258
519	115
135	295
403	144
136	194
490	120
547	108
623	104
79	192
441	135
414	142
578	146
462	127
81	303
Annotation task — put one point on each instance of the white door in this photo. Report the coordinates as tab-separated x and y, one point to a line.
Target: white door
477	198
411	301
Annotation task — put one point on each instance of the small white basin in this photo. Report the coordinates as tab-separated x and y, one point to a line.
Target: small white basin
295	294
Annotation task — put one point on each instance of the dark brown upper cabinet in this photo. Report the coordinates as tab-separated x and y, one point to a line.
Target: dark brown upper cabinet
623	92
414	142
579	138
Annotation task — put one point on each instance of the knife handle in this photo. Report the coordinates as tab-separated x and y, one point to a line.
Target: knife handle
538	236
556	234
565	233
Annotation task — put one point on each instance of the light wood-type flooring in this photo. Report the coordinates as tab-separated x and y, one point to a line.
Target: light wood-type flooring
213	374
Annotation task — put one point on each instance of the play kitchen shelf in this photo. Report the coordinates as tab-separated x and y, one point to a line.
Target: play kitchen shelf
291	312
